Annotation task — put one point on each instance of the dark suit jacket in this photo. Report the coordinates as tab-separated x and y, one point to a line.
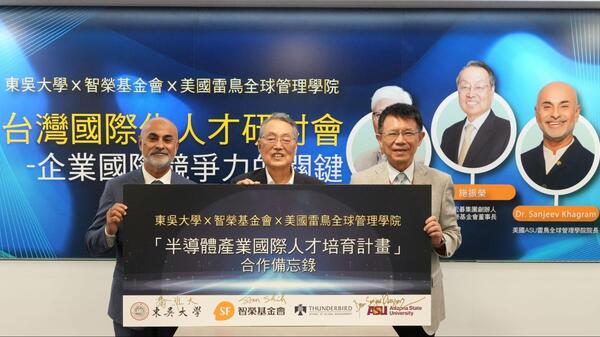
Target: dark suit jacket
260	175
572	166
95	239
490	141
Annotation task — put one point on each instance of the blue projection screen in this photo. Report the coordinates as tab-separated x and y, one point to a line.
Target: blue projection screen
77	84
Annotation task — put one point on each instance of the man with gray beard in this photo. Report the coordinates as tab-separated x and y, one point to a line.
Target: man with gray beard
158	143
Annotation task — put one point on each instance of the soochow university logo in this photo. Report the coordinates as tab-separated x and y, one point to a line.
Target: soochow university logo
139	311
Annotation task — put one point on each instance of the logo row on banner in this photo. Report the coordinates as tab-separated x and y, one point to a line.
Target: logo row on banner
275	310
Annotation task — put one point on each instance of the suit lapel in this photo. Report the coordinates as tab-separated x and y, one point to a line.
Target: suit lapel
380	174
138	177
420	175
570	156
177	179
539	165
261	175
298	179
454	141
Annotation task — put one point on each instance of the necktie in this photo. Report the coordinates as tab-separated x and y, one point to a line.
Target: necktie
401	179
464	148
157	182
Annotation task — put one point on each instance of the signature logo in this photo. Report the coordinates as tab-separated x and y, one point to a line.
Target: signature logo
280	299
300	309
224	311
139	311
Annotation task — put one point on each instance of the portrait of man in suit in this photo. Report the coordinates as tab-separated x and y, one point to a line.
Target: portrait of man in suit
381	99
560	161
400	132
277	144
158	143
481	137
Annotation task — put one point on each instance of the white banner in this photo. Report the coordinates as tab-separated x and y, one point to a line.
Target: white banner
276	310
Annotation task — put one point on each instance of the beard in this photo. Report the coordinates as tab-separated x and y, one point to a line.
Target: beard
158	162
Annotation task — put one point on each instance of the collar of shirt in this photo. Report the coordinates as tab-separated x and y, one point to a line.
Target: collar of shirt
550	159
478	122
270	180
393	173
148	178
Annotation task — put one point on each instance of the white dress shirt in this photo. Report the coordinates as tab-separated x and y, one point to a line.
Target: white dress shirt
550	158
393	173
270	180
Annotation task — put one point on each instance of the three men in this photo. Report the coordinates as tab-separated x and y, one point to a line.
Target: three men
277	144
158	143
481	137
400	132
560	161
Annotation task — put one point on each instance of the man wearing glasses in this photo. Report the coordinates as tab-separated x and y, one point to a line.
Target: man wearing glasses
400	132
480	138
382	98
277	145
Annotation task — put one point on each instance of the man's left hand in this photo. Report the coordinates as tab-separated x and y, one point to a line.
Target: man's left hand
434	230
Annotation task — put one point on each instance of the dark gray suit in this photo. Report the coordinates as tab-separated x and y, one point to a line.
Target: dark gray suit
95	238
488	145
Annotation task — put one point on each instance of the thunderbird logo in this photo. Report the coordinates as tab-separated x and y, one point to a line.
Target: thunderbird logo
300	309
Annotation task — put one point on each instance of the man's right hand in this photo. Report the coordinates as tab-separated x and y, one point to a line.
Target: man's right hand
114	217
247	181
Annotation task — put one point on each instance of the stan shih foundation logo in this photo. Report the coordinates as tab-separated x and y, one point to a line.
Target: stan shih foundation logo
139	311
224	311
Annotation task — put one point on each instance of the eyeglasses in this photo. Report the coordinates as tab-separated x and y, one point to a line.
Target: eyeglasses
284	139
393	135
477	89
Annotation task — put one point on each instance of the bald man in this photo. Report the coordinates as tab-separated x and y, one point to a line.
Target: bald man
560	161
158	142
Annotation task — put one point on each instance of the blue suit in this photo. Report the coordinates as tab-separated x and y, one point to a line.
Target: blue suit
95	239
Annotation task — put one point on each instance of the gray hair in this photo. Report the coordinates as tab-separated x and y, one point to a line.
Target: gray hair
480	64
280	116
391	92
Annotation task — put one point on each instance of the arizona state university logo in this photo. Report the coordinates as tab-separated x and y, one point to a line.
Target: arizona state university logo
224	311
377	310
